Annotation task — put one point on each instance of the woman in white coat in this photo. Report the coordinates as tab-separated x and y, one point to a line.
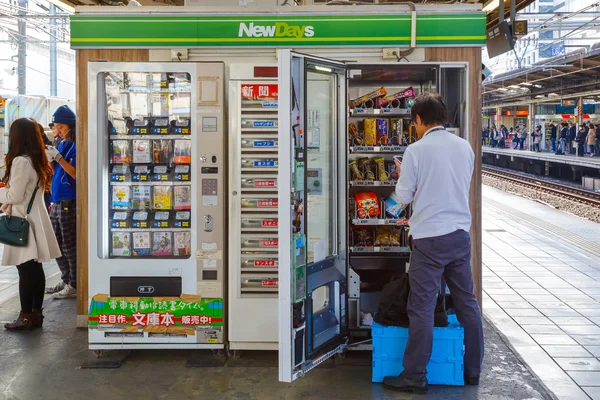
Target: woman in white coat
27	167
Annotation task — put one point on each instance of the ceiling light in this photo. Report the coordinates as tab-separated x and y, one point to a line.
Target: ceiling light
503	89
553	94
491	6
539	96
323	69
538	86
514	87
526	84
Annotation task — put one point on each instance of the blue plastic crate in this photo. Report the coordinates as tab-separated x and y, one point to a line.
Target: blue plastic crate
447	358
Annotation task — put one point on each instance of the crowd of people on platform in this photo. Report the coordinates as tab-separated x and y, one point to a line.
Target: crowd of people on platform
39	186
566	140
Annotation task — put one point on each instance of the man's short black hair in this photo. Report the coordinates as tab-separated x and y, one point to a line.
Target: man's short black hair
431	108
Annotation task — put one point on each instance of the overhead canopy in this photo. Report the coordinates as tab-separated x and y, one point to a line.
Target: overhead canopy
565	76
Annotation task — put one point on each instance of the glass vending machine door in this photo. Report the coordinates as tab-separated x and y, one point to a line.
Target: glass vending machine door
149	143
311	211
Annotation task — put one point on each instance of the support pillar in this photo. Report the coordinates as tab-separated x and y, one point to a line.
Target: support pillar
53	58
531	127
22	48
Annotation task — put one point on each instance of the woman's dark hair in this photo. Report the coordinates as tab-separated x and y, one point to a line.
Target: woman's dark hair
45	139
431	108
25	139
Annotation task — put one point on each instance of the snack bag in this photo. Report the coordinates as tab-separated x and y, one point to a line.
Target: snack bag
370	126
355	139
382	131
381	171
395	235
393	172
367	168
356	174
367	205
362	236
382	236
393	206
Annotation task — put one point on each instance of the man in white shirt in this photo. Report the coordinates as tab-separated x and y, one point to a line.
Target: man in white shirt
435	176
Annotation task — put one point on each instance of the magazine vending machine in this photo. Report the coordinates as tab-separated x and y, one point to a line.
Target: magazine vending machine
253	223
156	210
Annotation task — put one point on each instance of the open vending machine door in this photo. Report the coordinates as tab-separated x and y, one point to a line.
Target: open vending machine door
311	212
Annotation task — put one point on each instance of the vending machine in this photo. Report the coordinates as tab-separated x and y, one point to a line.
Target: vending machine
342	232
253	201
156	205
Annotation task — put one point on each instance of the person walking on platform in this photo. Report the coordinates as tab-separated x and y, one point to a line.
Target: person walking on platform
597	149
553	137
436	181
26	178
591	140
62	211
494	136
580	141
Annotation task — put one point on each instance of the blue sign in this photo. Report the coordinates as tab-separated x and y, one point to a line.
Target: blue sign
268	163
260	124
265	104
264	143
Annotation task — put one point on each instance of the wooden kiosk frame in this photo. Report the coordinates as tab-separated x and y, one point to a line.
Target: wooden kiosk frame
431	33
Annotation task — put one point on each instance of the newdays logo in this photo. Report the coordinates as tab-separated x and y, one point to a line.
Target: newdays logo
280	29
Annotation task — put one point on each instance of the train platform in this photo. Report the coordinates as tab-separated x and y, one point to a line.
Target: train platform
568	159
541	282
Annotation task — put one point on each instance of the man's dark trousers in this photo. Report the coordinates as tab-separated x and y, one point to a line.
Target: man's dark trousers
448	255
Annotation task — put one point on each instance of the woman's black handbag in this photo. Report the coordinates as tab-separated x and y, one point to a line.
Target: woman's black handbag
14	231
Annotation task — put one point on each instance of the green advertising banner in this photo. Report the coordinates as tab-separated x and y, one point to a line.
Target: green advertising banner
137	31
155	312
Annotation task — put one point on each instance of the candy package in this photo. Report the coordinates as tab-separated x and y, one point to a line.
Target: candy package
382	131
357	175
362	236
393	206
370	127
393	171
367	168
381	170
355	139
395	132
367	205
368	100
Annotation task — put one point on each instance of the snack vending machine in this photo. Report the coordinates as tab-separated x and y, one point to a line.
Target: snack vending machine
157	217
253	224
342	231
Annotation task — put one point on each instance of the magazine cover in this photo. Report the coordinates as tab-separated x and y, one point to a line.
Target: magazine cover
183	197
161	151
120	244
161	244
120	152
141	197
121	197
142	152
141	244
183	244
162	197
183	152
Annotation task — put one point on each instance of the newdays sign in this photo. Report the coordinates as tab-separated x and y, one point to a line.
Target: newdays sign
125	30
279	29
